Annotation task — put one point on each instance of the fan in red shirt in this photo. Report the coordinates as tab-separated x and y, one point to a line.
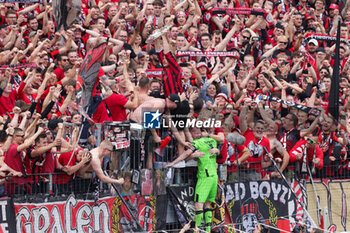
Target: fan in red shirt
255	142
172	73
14	159
117	104
308	147
71	164
7	100
62	61
228	155
277	151
327	141
39	159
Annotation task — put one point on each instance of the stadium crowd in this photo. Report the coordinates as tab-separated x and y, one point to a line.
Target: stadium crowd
276	55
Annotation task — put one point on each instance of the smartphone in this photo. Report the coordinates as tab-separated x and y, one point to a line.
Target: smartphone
255	38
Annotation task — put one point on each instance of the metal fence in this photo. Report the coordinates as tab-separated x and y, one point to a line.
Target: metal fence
135	145
137	150
61	183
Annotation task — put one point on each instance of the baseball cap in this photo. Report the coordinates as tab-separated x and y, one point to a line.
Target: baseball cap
152	51
313	41
174	98
310	17
279	25
320	49
140	54
3	25
333	6
223	95
200	64
54	123
78	149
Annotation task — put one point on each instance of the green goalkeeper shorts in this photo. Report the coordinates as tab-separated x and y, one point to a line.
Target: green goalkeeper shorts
206	189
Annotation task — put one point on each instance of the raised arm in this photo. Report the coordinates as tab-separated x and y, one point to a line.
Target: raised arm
223	43
166	47
271	51
243	126
282	151
32	126
42	150
28	142
8	141
265	115
311	128
28	9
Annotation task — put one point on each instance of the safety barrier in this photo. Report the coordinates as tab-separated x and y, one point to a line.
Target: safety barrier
60	183
135	146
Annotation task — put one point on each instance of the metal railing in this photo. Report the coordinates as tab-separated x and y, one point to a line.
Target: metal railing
61	183
136	145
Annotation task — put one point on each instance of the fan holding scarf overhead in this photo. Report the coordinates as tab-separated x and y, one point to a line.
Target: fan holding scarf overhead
87	81
172	72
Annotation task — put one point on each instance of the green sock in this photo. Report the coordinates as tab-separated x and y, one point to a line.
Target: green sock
198	218
208	216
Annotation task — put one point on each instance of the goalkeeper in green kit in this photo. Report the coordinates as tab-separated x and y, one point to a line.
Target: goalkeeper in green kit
205	150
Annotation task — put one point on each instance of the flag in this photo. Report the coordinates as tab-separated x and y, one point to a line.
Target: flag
67	12
88	74
333	107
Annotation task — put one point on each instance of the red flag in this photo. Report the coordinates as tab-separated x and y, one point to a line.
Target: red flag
88	74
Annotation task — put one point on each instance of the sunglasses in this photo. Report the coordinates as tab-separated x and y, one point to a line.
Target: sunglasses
283	42
110	150
246	37
309	140
64	59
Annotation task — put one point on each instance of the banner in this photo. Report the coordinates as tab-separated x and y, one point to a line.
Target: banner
267	202
7	216
149	210
20	1
19	66
246	204
324	37
270	203
234	54
183	202
239	11
154	73
221	215
333	197
313	111
71	215
75	215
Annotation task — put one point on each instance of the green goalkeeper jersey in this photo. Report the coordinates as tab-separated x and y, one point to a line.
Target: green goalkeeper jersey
206	163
